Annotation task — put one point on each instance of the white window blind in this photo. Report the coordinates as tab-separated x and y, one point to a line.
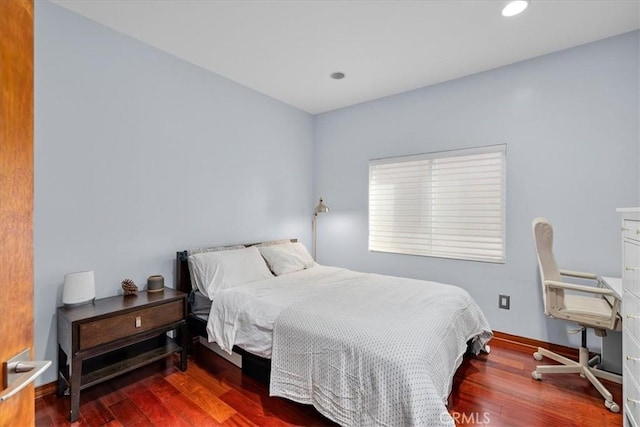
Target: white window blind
448	204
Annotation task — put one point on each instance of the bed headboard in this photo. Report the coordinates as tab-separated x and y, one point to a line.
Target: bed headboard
183	278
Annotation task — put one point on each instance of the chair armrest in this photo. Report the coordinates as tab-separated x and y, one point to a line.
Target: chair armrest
580	288
610	322
579	274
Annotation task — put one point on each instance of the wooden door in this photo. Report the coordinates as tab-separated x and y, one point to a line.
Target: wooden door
16	197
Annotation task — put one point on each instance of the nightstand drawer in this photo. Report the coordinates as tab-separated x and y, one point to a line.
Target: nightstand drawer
124	325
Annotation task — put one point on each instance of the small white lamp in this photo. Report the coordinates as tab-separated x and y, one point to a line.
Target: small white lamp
79	288
321	208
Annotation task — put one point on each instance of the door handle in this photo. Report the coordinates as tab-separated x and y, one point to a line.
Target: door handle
23	367
18	372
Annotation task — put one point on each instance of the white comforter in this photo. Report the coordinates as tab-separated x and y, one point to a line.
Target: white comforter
364	349
244	315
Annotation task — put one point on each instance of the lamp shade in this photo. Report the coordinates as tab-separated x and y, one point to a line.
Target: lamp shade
321	208
79	288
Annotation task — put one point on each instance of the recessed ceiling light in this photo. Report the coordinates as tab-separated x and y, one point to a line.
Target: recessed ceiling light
337	75
515	7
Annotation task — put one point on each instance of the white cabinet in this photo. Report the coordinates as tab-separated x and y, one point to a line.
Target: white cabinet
631	315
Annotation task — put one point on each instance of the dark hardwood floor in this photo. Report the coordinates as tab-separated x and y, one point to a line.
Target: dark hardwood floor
494	389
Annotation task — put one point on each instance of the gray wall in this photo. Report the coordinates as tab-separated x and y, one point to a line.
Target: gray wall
139	154
570	122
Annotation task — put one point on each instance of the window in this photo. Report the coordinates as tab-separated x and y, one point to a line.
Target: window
448	204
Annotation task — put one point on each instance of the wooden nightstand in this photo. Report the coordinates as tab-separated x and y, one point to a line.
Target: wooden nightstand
117	335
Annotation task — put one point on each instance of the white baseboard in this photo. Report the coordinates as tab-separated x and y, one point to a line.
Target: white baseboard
234	358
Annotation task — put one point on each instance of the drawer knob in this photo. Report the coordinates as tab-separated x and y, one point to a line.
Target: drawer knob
633	400
635	359
138	321
631	316
629	268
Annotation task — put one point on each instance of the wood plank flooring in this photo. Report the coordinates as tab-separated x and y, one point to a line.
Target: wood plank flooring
494	389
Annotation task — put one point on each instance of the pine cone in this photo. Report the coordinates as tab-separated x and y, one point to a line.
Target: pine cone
129	287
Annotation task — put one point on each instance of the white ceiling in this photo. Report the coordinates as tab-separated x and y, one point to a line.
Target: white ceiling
287	49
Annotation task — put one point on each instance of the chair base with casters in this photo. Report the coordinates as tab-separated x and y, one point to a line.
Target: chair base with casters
582	367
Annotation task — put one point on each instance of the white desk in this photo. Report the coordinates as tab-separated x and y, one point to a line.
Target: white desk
615	284
612	343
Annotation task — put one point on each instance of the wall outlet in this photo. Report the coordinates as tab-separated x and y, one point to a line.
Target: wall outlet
504	301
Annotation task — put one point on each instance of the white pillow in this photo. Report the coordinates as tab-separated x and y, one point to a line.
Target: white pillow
287	257
194	286
215	271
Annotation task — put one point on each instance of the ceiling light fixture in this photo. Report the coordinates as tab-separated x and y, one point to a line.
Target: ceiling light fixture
337	75
515	7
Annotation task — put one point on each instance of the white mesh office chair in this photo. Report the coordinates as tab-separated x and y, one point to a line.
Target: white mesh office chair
589	310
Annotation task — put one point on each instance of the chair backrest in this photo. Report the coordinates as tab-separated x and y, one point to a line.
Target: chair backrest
543	237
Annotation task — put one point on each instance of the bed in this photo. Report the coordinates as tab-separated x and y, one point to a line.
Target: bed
364	349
